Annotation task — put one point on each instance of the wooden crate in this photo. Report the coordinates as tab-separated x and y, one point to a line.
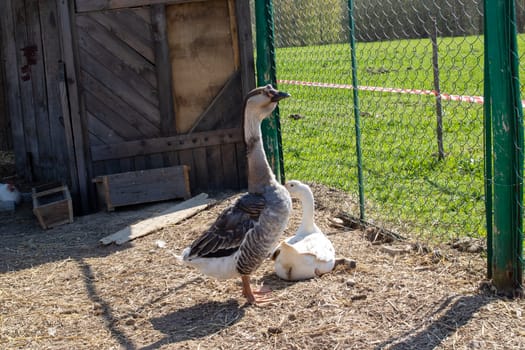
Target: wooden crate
52	205
143	186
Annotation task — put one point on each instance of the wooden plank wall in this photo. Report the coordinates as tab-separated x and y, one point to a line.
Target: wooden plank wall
32	68
101	87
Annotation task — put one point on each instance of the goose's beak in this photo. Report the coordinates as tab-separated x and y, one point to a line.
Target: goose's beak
279	96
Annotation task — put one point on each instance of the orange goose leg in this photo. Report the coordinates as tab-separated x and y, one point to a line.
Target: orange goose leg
258	297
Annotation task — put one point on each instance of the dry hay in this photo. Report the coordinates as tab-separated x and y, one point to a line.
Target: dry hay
61	290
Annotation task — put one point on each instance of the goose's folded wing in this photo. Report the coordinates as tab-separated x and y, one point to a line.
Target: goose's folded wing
316	244
227	233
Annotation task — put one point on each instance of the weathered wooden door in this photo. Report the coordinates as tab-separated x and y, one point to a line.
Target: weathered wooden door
162	84
118	80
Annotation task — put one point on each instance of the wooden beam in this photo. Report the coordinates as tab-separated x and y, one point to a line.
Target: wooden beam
170	216
200	170
12	84
163	68
77	123
214	162
166	144
24	65
68	133
47	164
234	33
6	143
245	42
229	157
54	72
98	5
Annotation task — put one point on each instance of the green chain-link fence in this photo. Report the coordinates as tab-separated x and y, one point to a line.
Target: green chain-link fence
420	121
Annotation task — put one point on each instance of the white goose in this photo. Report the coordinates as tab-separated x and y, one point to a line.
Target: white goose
244	234
309	253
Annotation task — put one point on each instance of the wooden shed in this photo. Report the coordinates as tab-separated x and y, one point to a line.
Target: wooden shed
98	87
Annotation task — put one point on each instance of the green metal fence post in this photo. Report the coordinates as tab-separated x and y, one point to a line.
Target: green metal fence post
266	74
487	126
503	94
356	112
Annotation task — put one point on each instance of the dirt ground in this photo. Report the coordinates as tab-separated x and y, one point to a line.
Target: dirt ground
61	289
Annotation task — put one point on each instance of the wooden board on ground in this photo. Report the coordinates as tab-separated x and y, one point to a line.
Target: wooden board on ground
170	216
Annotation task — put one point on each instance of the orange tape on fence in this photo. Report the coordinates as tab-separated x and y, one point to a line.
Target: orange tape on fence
446	97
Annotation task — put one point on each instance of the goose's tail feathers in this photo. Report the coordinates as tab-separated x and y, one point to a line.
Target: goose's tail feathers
182	257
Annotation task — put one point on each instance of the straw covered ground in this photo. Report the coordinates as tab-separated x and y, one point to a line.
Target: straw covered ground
60	289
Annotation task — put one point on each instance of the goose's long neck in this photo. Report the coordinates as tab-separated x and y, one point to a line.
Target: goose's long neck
259	172
307	223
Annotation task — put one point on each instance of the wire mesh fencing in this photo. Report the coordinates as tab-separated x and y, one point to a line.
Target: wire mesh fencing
419	120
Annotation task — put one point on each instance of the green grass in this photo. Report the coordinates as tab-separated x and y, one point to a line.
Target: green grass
400	64
406	187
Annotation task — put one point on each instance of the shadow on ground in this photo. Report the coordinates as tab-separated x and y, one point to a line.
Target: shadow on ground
197	321
453	313
24	244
